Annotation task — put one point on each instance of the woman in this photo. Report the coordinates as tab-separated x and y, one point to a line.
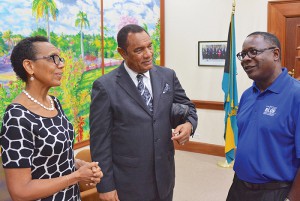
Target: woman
36	136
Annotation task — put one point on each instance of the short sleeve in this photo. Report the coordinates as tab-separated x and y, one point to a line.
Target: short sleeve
296	117
297	132
16	138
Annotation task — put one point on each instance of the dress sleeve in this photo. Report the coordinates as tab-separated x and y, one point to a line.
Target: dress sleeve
16	138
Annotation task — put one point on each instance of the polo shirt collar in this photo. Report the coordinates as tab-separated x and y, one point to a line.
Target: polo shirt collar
278	85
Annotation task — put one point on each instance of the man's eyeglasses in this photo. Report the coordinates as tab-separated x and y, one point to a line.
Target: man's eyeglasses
252	53
56	59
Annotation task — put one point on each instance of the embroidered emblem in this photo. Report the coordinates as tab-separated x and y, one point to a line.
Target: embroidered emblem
270	110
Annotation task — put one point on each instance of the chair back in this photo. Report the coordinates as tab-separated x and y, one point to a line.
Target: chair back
87	192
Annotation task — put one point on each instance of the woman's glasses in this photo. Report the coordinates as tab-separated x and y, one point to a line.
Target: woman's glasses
56	59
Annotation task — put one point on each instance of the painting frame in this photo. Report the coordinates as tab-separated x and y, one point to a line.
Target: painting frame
211	53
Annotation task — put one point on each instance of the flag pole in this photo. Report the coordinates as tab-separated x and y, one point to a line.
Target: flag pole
224	163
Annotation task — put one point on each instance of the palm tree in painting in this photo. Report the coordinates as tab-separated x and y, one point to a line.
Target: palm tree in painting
45	8
8	38
82	21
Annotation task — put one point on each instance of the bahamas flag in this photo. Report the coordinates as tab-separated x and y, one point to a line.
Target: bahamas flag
229	87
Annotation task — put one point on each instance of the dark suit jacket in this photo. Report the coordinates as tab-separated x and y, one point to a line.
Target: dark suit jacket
134	147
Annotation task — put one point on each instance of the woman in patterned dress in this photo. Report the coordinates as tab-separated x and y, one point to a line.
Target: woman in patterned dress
36	136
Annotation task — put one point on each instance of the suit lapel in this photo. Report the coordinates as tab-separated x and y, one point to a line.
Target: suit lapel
157	86
126	83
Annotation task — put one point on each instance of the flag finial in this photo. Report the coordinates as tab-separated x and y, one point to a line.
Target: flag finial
233	6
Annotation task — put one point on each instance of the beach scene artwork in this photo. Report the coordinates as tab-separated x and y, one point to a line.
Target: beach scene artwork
74	26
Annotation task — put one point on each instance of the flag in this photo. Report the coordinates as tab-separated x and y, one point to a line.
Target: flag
229	86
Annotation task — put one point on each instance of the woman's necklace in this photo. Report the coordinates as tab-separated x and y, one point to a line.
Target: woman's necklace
37	102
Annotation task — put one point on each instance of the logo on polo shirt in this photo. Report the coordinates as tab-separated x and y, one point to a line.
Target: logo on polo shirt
270	110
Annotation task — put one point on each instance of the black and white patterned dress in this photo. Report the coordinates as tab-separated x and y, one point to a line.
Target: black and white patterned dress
41	143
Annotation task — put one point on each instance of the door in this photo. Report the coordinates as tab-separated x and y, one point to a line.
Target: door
292	42
284	22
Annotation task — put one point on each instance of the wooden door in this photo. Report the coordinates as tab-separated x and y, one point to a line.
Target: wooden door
292	42
284	22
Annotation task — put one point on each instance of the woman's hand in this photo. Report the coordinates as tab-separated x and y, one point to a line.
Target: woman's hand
98	174
79	163
89	172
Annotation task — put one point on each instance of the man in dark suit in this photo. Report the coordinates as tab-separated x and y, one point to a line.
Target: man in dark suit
131	134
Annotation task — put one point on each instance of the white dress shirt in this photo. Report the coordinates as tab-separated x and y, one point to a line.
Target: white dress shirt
146	78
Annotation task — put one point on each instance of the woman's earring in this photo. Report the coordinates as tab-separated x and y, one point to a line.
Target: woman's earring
31	78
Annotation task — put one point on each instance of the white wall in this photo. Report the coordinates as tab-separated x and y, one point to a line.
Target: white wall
186	23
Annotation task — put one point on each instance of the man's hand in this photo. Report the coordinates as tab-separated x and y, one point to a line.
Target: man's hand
182	133
109	196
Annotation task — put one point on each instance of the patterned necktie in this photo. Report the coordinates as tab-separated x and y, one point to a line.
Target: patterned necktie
144	92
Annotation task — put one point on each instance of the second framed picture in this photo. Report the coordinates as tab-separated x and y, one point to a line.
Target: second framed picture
211	53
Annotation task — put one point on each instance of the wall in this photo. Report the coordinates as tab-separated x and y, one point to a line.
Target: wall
186	23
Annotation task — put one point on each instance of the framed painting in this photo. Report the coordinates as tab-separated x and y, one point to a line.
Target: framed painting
85	32
211	53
